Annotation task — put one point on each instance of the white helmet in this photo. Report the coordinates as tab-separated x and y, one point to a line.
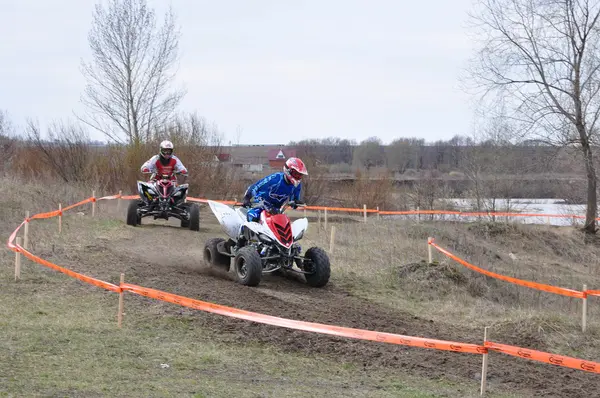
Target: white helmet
166	149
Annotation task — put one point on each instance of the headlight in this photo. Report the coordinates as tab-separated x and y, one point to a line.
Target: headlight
265	238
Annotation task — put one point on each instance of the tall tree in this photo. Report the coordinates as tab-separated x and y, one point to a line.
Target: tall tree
370	153
402	153
545	56
128	81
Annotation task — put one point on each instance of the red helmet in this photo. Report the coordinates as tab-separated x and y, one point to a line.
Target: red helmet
294	169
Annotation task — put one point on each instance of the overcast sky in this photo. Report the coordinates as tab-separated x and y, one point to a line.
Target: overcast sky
278	70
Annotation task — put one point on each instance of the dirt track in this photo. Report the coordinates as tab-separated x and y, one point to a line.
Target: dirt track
169	258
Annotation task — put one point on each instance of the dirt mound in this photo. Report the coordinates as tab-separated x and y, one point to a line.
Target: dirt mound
448	278
432	272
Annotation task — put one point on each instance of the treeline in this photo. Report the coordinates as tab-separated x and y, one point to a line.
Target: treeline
457	154
485	171
65	153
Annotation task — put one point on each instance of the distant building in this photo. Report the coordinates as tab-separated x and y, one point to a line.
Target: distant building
256	158
277	157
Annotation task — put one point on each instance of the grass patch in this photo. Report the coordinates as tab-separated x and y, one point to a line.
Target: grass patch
61	339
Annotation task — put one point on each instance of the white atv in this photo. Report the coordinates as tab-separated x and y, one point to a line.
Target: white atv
254	248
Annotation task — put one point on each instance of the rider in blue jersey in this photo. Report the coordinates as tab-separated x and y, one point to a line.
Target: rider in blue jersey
274	190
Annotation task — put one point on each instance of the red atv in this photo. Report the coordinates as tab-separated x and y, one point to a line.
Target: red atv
163	198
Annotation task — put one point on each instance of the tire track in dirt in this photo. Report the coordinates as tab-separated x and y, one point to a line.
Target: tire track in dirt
169	258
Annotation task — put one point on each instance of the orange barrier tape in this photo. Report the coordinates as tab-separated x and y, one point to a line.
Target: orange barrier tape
382	212
111	197
13	236
73	274
305	326
532	285
540	356
49	214
345	209
88	200
362	334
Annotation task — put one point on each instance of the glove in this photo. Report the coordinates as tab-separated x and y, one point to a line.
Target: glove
246	203
294	205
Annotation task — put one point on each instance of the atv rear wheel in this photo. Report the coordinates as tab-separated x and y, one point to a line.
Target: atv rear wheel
212	257
248	266
316	261
133	218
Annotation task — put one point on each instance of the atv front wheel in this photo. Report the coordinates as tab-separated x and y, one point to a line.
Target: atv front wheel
248	266
212	257
316	262
194	223
185	223
133	218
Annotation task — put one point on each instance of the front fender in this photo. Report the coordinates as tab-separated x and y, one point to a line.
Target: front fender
299	227
146	191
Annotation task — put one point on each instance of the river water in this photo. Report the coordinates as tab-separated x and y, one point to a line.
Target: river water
543	207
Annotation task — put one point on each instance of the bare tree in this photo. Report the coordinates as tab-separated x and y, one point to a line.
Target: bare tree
127	92
402	153
7	141
66	153
545	55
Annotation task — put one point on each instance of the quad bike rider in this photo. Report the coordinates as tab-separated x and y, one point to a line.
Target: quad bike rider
162	196
165	163
263	239
274	190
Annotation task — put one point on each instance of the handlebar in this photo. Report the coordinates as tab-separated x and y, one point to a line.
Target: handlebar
154	174
270	209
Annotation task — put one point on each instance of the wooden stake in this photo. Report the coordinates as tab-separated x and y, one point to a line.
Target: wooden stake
365	212
18	261
60	218
120	314
26	237
332	240
418	214
484	365
319	222
325	219
377	213
584	310
305	212
430	250
119	201
94	204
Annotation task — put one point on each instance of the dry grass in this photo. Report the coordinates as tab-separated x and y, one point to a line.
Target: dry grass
60	339
60	336
76	349
386	261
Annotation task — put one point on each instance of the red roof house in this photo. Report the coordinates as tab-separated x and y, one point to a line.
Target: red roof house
277	157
